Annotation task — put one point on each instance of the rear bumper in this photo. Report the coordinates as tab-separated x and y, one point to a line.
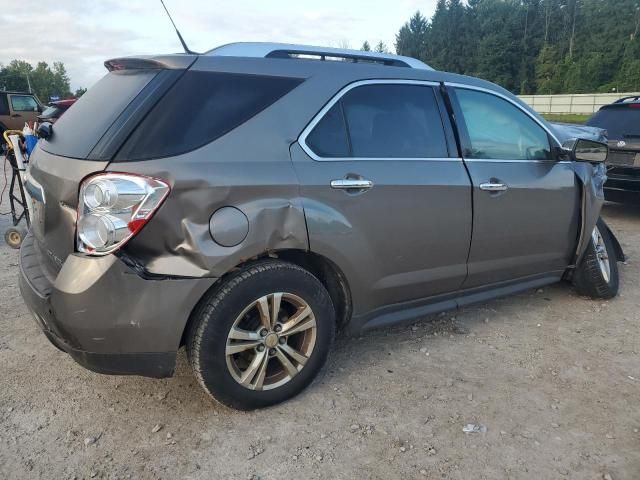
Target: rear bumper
105	316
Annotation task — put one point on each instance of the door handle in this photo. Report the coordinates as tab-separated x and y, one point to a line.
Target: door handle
351	183
16	115
493	187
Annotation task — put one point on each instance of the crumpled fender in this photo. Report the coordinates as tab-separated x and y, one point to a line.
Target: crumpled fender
592	178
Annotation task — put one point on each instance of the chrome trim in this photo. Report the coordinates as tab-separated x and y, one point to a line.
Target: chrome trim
305	133
493	187
510	100
349	183
497	160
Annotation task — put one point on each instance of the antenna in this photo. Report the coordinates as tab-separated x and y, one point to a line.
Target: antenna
184	44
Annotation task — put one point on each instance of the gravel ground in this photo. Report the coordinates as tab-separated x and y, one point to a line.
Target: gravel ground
554	379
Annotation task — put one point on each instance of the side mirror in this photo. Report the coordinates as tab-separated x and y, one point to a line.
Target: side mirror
45	130
589	151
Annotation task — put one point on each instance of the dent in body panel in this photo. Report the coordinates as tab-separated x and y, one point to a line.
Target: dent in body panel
178	240
86	303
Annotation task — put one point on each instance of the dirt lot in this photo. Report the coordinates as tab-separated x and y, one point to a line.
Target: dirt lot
554	378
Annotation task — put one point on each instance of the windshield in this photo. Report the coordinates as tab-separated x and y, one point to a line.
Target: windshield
622	123
50	111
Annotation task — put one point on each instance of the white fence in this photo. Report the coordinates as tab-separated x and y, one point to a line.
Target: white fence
583	103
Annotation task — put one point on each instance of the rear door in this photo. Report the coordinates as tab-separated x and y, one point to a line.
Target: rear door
385	197
525	202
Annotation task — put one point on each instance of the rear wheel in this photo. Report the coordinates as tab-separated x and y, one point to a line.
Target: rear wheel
597	274
262	336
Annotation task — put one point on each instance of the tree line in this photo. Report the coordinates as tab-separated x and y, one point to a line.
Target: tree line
43	80
532	46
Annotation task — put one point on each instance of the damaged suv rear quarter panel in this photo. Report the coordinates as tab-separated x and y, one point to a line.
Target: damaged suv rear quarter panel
178	241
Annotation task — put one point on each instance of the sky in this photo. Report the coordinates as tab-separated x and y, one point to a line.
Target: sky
84	33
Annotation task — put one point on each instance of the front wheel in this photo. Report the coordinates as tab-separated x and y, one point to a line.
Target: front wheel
597	274
262	336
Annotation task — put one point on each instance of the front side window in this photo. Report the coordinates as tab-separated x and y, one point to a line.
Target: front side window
382	121
23	103
499	130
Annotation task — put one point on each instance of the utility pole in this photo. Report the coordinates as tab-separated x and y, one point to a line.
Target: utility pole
28	82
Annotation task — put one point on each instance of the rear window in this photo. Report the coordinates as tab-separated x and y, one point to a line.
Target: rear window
79	130
198	109
620	122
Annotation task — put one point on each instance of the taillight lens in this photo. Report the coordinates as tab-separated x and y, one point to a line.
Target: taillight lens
113	207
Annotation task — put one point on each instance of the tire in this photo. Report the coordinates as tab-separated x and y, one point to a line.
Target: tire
221	360
14	237
597	274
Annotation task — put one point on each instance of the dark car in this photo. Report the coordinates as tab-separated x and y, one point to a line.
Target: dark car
250	202
621	119
55	109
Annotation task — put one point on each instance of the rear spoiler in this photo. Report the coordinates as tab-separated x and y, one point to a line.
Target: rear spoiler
158	62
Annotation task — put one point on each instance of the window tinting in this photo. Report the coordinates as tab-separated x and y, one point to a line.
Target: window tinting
384	121
199	108
23	103
394	121
499	130
621	123
329	137
4	104
81	127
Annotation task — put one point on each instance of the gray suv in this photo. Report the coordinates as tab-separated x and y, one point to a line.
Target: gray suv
250	202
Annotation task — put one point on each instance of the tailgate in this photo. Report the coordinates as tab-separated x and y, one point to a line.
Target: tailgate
52	183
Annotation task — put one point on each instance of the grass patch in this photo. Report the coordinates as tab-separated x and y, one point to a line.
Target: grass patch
566	117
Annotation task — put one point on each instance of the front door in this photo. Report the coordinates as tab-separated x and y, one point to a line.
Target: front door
384	198
24	108
526	204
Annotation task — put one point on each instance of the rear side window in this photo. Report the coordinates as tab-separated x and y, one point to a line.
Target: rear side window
621	123
382	121
199	108
329	138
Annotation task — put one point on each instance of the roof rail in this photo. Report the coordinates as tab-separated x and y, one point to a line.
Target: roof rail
632	98
307	52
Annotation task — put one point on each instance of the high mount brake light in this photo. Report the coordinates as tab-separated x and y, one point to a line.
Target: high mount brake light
113	207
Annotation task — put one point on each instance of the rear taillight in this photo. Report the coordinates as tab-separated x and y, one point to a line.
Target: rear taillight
113	207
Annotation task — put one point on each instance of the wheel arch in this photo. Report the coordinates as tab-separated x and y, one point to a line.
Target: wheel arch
329	274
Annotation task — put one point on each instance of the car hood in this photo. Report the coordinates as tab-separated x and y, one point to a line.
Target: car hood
566	131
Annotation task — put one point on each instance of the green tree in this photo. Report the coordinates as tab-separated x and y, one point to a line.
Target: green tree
546	68
412	37
365	46
41	80
531	46
380	47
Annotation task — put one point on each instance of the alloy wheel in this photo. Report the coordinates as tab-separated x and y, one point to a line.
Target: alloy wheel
270	341
601	254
